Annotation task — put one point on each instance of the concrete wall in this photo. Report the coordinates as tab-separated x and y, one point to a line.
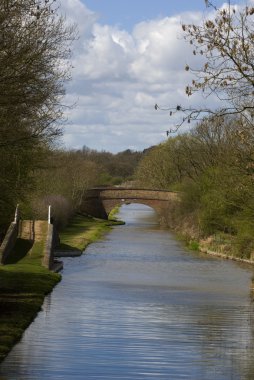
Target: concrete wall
9	242
33	231
52	241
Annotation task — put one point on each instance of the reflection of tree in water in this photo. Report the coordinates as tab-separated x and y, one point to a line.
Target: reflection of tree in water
231	339
215	340
248	362
224	335
47	304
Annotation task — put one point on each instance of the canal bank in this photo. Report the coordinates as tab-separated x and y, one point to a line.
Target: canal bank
25	282
223	245
82	231
205	247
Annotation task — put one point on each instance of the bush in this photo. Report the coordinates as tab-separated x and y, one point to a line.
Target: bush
61	209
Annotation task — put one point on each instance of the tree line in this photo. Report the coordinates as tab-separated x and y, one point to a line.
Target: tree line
66	176
60	178
212	168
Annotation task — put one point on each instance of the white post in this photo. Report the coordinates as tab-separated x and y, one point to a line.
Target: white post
16	214
49	215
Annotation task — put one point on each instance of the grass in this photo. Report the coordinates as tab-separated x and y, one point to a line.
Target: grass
82	231
23	286
193	245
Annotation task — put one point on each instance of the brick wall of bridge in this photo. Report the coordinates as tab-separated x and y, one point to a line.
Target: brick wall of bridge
100	201
119	193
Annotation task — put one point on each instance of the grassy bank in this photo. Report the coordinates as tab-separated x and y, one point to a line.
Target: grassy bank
23	286
83	230
220	245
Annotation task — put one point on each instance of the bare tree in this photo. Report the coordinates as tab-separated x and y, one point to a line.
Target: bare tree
226	43
35	46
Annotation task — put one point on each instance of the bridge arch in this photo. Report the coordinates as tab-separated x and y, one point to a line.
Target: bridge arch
110	205
98	202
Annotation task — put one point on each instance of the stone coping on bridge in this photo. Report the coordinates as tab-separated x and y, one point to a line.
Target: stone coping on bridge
130	193
129	188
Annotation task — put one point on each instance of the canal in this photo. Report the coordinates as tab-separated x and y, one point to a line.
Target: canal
137	305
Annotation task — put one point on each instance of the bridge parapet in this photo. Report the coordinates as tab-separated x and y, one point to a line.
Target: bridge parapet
119	193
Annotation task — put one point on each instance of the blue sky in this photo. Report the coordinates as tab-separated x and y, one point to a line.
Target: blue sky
127	13
130	56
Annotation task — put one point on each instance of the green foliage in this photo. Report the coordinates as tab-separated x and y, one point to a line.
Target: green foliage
106	179
114	168
244	244
244	224
156	170
212	168
190	193
193	245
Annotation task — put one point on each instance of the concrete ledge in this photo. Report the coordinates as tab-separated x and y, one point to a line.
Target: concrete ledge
57	266
51	242
8	242
74	253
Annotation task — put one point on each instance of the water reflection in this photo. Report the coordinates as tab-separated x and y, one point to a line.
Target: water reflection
137	306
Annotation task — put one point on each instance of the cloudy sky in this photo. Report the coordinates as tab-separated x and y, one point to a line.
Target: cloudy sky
130	55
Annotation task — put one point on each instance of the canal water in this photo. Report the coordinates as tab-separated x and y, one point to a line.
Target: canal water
137	305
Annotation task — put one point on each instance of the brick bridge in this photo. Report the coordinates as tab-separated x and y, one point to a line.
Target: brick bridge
98	202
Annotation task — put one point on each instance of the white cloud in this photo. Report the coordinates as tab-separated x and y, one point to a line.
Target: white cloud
119	76
77	13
